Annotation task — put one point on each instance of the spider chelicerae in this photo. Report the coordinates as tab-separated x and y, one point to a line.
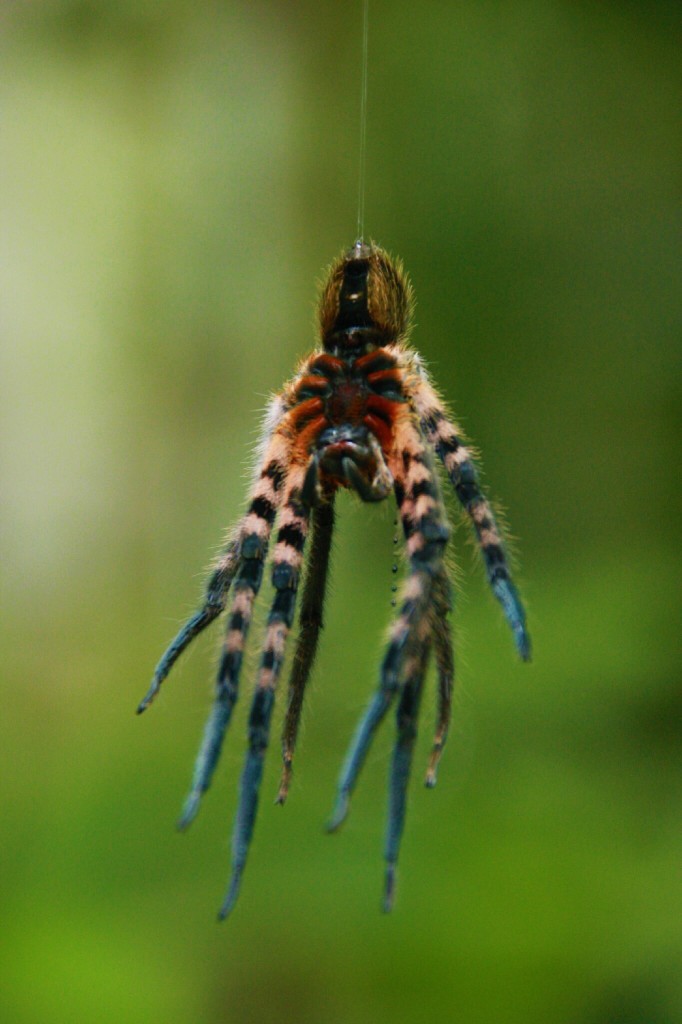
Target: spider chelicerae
360	413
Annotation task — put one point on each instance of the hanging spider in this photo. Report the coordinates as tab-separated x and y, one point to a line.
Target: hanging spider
360	413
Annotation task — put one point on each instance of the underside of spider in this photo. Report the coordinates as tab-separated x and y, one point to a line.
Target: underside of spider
361	414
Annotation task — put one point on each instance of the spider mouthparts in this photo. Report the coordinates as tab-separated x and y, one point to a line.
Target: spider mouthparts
365	488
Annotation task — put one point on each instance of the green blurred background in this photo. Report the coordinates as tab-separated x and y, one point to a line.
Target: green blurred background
174	178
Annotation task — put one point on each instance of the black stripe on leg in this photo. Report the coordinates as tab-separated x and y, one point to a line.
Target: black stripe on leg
264	509
283	608
427	487
447	445
259	720
466	484
275	472
230	665
495	561
293	535
250	574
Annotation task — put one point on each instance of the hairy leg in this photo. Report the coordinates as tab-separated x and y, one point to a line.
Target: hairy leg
457	458
287	562
310	620
214	603
426	533
254	537
408	709
442	642
253	529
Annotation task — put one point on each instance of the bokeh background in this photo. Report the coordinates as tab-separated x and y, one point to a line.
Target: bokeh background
174	178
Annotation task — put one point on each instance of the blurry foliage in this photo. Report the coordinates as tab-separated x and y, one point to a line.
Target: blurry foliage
174	178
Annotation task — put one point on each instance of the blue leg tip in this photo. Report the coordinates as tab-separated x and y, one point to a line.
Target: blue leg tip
232	894
523	643
149	696
340	811
389	889
189	810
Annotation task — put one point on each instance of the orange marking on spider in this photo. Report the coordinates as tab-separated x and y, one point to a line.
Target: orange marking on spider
374	425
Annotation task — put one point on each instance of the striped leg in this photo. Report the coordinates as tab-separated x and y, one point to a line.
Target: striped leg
408	710
458	461
274	455
214	603
426	533
442	641
287	561
254	539
312	603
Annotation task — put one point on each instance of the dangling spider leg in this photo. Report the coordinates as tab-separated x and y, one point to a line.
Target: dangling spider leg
227	685
426	533
457	459
254	534
442	640
216	597
408	710
310	624
287	561
274	460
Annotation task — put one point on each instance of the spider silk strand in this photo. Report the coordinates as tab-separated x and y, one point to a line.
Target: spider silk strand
363	123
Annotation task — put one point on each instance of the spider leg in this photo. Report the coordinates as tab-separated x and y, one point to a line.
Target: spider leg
426	533
310	619
459	464
273	449
287	561
408	710
442	640
216	597
254	537
227	686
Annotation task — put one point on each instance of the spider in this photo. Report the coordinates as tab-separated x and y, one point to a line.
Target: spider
361	414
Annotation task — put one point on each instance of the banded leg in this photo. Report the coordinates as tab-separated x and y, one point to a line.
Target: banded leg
214	603
310	621
408	710
426	533
287	561
254	538
273	448
227	687
459	464
442	641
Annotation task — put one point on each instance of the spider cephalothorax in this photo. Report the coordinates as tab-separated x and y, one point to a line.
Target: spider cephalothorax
362	414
